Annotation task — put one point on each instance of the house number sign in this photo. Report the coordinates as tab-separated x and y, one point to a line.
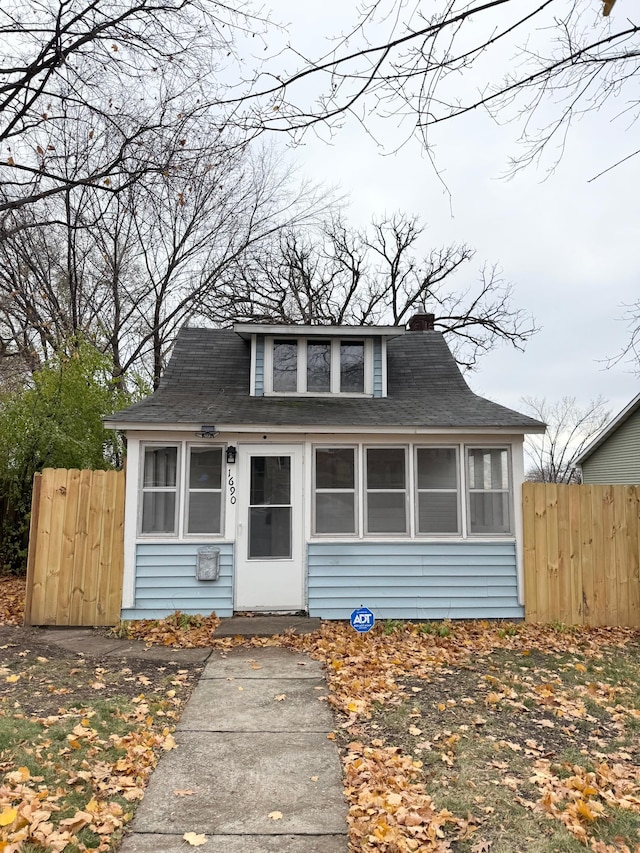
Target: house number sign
232	487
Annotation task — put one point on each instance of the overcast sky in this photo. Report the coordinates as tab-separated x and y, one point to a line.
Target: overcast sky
570	246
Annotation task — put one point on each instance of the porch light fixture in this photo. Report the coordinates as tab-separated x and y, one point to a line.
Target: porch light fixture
207	432
231	454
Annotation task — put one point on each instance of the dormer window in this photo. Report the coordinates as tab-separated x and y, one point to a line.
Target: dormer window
285	366
316	366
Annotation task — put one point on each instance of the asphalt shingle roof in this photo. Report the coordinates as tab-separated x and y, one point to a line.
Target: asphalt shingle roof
207	382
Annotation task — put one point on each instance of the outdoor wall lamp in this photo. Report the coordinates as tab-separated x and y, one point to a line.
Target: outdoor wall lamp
231	454
207	432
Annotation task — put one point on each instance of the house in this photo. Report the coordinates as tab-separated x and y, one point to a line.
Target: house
318	469
614	455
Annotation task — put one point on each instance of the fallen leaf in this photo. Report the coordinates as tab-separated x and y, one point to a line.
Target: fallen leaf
275	815
169	743
280	697
183	792
8	816
194	840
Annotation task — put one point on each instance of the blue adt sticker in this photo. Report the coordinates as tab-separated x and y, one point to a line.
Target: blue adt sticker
362	620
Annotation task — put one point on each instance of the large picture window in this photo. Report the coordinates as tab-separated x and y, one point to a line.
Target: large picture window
204	506
335	490
159	490
489	492
437	490
386	490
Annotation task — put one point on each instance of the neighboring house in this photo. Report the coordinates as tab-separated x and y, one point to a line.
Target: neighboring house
319	469
614	455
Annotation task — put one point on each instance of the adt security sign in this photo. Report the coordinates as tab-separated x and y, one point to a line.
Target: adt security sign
362	620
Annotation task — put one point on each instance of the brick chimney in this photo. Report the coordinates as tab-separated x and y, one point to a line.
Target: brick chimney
422	322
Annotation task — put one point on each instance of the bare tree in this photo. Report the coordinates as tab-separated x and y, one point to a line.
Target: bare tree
125	271
335	274
433	64
570	428
115	78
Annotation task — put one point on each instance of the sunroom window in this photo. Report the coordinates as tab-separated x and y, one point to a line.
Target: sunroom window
437	490
335	490
204	505
386	490
489	491
159	490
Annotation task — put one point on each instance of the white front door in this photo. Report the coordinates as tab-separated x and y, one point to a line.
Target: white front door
269	571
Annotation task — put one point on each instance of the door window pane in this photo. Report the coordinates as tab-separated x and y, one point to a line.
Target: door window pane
270	480
270	510
269	532
285	366
318	366
351	366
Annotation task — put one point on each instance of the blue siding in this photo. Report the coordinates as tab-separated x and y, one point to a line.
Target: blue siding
414	580
377	367
166	581
259	389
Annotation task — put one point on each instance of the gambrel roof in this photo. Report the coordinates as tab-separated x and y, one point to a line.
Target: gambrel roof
208	377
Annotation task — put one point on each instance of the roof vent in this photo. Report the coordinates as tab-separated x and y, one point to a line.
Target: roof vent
422	323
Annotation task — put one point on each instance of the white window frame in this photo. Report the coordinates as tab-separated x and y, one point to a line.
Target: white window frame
301	390
177	490
457	534
472	534
406	534
186	534
355	491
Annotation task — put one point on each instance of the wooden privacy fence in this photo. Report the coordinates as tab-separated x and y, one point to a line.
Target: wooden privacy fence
581	554
76	548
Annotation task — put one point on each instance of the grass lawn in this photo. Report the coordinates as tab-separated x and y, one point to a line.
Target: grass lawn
470	737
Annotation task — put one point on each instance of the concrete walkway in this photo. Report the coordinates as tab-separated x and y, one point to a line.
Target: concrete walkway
253	764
